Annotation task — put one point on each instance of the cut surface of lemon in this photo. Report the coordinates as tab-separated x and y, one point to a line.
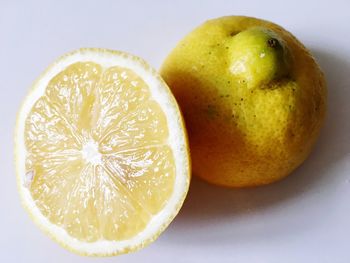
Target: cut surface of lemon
101	153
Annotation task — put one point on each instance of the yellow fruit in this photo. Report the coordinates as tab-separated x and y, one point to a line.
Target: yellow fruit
252	96
101	153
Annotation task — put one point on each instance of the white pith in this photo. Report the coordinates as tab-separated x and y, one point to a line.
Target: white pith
90	153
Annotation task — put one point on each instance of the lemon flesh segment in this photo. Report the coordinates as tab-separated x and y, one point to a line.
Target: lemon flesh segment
98	161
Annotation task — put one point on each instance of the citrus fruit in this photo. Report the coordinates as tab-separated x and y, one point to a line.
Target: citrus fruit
101	153
253	99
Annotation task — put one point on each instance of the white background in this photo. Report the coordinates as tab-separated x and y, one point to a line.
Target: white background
305	218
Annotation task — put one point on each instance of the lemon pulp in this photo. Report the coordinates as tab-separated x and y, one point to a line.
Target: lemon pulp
97	160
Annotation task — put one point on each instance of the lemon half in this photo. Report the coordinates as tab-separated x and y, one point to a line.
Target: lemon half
253	97
101	153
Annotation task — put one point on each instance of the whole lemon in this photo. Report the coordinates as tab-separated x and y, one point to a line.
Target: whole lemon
253	98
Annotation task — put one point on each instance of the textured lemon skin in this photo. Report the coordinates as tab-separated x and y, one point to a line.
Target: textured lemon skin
243	135
19	176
